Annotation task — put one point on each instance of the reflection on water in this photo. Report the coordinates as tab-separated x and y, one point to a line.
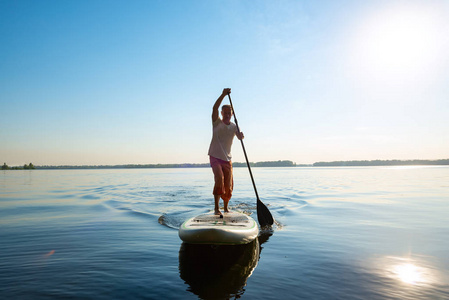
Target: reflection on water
410	271
217	271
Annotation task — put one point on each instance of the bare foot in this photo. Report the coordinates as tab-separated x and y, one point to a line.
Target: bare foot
218	213
227	210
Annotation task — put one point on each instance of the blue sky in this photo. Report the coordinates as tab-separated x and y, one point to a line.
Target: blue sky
117	82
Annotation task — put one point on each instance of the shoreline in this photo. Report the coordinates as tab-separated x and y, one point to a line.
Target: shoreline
283	163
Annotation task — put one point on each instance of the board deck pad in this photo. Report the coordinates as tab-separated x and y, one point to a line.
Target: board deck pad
233	228
233	220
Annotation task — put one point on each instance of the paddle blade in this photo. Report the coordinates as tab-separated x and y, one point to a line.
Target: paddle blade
263	215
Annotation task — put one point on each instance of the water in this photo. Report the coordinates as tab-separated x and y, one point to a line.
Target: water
340	233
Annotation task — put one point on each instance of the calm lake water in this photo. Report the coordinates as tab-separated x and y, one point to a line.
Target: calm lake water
340	233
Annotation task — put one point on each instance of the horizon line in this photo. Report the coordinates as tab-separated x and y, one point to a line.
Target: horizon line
277	163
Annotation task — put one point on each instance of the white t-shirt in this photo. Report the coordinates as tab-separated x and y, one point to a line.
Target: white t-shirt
222	137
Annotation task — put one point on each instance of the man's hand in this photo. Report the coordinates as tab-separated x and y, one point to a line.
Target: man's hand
240	135
226	91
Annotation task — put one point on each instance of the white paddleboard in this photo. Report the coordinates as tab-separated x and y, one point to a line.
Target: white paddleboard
233	229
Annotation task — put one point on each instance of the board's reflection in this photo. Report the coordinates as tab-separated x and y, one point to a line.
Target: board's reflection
213	271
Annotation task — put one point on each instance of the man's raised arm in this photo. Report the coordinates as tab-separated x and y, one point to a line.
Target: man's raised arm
215	113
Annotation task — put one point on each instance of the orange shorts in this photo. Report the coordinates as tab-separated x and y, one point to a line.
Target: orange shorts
224	181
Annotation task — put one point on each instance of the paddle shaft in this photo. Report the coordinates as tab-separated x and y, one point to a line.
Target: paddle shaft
244	150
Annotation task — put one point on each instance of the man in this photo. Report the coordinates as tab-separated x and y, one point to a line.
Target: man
220	152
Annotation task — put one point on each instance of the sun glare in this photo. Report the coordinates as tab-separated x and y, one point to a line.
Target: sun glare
409	273
398	42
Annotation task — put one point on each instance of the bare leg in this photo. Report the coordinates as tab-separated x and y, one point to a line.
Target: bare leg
226	202
228	183
217	204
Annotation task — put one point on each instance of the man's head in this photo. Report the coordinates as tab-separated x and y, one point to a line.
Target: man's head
226	113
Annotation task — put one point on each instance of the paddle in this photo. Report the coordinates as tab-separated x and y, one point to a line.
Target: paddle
263	214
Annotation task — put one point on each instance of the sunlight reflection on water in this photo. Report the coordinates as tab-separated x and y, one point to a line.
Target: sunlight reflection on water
411	271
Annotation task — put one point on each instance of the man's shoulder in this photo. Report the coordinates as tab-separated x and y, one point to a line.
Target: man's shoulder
217	122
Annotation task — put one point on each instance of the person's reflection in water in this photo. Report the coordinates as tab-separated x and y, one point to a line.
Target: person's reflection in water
217	271
213	271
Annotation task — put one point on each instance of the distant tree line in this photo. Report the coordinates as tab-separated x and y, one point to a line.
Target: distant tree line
130	166
279	163
30	166
393	162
